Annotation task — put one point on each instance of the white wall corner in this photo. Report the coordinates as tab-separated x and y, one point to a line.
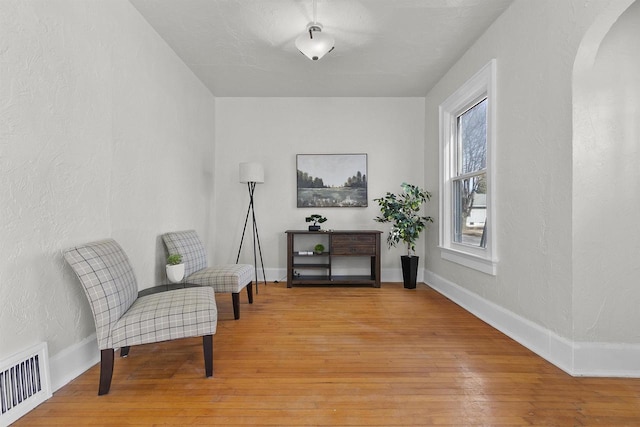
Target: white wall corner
576	359
73	361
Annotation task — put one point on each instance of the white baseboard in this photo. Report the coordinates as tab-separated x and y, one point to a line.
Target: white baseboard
606	360
576	358
73	361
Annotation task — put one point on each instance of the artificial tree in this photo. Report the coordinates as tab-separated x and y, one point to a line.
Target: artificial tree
403	212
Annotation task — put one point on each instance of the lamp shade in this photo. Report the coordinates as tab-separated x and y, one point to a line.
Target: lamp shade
314	44
251	172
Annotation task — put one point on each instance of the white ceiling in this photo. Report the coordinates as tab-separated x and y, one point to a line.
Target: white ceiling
383	47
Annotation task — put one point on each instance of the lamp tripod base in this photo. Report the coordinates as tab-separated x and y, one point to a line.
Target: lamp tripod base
256	236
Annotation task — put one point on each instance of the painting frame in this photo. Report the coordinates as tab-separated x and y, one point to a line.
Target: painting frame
332	180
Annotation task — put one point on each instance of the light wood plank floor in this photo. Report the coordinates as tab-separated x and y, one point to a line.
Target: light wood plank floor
343	356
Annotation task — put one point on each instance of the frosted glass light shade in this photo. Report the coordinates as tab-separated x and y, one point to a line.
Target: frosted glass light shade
314	44
251	172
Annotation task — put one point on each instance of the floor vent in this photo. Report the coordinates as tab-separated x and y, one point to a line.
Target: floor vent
24	383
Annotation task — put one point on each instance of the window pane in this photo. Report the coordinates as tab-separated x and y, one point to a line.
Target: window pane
472	134
470	210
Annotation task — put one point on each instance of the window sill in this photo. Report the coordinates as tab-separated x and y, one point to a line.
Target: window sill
475	262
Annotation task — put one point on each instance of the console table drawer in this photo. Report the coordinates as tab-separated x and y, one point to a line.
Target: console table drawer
353	244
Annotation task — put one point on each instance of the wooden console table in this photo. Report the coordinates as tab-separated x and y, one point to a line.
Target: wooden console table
338	243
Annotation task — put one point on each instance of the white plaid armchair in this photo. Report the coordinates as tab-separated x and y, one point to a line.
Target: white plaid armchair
122	319
223	278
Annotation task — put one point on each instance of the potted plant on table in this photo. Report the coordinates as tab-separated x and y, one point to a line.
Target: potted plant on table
316	219
403	212
175	268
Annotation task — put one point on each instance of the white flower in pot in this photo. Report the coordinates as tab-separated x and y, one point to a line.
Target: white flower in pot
175	268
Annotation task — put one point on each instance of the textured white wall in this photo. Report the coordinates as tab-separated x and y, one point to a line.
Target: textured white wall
104	133
92	102
273	130
535	44
606	189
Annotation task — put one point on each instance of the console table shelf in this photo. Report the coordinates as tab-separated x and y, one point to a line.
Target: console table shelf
341	243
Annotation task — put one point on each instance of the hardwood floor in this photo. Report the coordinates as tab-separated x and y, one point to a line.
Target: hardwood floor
343	356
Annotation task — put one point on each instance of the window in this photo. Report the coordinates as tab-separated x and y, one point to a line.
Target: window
467	225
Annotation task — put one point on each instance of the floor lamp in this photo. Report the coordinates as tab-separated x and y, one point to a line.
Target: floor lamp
252	173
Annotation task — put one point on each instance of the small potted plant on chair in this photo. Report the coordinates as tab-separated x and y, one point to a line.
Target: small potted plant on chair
407	224
175	268
316	219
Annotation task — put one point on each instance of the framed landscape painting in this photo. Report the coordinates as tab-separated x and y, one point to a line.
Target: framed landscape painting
331	180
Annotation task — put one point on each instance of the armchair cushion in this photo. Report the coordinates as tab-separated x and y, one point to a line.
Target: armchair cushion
167	316
223	278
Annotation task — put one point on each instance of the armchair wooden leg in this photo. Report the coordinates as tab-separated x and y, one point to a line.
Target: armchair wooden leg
124	351
106	371
235	297
207	346
250	292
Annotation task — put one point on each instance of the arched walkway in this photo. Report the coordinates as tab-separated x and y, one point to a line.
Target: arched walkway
606	178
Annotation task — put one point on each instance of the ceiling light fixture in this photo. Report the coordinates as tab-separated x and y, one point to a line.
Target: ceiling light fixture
314	44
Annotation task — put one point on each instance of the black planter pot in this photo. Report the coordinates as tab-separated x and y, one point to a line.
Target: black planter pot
314	228
409	271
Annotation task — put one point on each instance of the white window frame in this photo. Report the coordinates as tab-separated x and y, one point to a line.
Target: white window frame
482	84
